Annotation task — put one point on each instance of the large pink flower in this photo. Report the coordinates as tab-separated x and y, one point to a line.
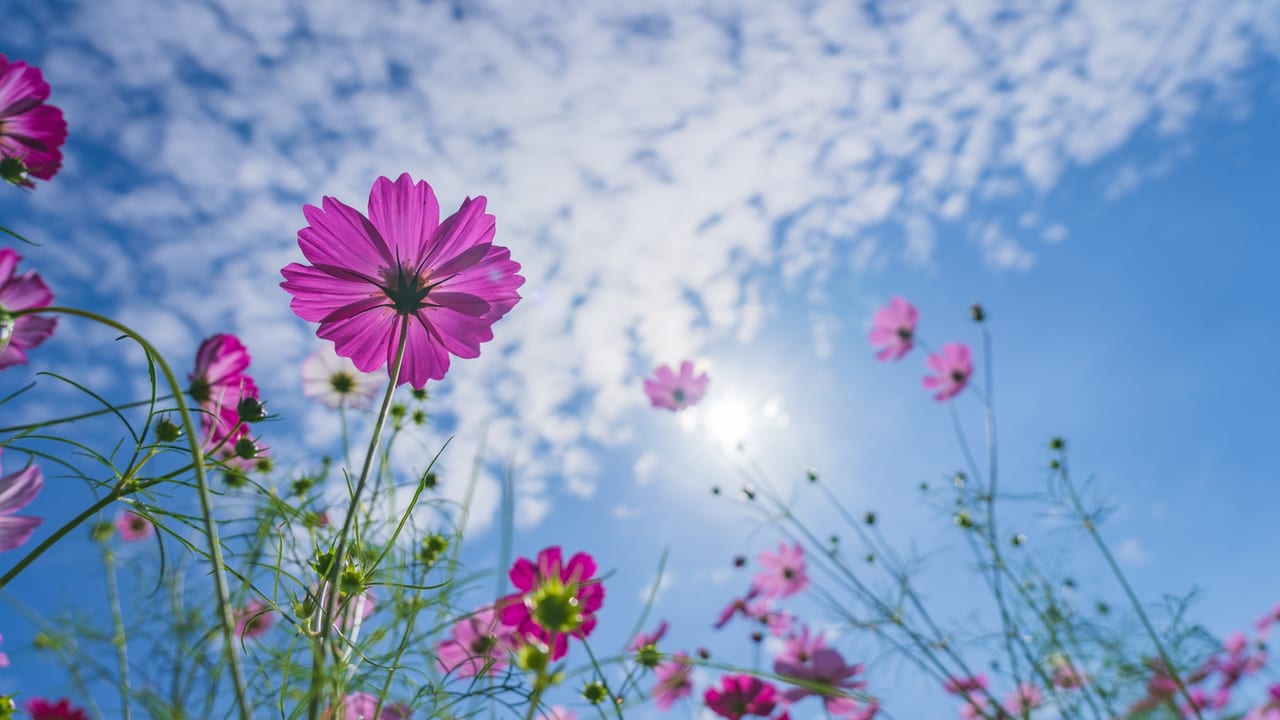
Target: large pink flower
952	368
556	599
371	278
825	673
218	384
784	572
668	390
253	620
741	695
31	132
362	706
893	329
675	680
21	292
16	492
479	646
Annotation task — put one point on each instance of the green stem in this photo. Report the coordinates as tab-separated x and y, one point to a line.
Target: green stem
206	502
330	599
118	637
81	416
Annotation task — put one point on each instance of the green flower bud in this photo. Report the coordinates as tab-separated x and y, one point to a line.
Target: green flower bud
168	431
595	692
251	410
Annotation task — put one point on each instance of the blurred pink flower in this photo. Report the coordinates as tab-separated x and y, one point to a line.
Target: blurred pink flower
646	639
893	329
675	680
253	620
362	706
218	384
799	648
1269	710
555	600
1022	701
31	131
784	573
335	380
559	712
824	668
401	269
965	685
952	366
4	659
668	390
16	492
736	606
1239	662
1266	621
21	292
41	709
479	646
132	526
1068	676
1203	700
741	695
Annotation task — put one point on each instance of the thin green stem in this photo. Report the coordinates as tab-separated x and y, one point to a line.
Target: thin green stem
81	416
330	599
118	637
210	525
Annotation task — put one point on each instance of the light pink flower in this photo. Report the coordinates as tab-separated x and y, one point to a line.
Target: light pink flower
675	392
784	573
741	695
1069	677
952	368
362	706
16	492
1266	621
4	659
1269	710
1239	662
218	384
401	269
798	648
1203	700
675	680
559	712
31	132
1022	701
132	526
335	380
479	646
555	599
965	685
979	708
736	606
846	708
253	620
644	640
825	668
893	329
21	292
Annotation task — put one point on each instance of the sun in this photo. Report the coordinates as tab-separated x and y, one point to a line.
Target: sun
725	421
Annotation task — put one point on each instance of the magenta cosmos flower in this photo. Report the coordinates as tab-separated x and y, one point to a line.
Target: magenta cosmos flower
218	384
741	695
675	680
648	640
253	620
1023	700
21	292
479	646
556	599
893	329
401	269
133	526
31	132
362	706
784	572
41	709
952	368
825	673
16	492
668	390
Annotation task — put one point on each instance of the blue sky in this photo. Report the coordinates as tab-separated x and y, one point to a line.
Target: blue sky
740	183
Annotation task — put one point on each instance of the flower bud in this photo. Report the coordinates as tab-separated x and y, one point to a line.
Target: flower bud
246	449
595	692
167	430
251	410
977	313
102	531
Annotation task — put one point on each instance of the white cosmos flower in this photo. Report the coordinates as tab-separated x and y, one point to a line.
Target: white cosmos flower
336	382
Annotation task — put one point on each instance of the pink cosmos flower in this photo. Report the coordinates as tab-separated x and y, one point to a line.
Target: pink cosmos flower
800	647
479	646
737	605
979	708
965	686
132	526
362	706
762	611
41	709
1266	621
218	384
402	270
825	668
1239	662
1022	701
784	573
1068	676
4	659
741	695
675	680
893	329
16	492
676	392
644	640
21	292
845	708
558	712
1269	710
253	620
555	600
952	366
31	132
1202	700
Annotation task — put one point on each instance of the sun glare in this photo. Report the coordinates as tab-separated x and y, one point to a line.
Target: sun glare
726	422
